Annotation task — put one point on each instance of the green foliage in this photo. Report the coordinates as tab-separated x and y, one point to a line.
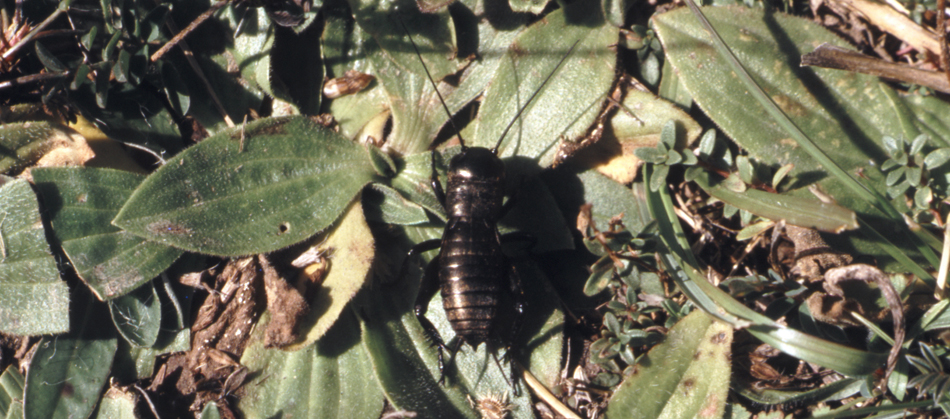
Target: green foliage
665	155
360	186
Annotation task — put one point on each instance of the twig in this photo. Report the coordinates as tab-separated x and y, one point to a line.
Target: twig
194	65
942	37
32	78
189	29
830	56
545	395
9	53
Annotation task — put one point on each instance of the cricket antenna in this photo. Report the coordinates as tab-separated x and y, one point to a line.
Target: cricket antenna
494	149
434	86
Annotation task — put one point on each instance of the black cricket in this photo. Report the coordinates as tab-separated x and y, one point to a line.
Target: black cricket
471	270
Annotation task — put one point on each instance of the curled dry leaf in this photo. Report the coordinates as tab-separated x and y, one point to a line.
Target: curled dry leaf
812	255
287	307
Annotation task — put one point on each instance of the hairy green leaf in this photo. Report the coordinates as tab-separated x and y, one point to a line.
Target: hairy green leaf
33	299
686	376
254	189
81	203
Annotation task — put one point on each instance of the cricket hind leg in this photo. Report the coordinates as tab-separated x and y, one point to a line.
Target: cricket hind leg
517	295
427	289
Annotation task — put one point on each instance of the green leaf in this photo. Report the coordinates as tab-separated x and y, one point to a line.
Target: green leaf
135	363
11	393
535	212
570	102
650	155
175	90
803	212
152	23
252	47
382	162
120	70
918	144
413	182
780	174
49	60
288	179
892	145
134	115
67	373
138	315
397	348
110	47
639	126
386	205
923	197
433	34
745	169
210	411
668	135
332	378
845	114
33	299
102	85
80	77
90	37
937	158
117	404
686	376
81	203
673	157
658	181
753	230
837	390
600	275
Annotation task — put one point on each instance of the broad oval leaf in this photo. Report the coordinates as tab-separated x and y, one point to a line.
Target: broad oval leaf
686	376
33	299
253	189
570	102
332	378
433	34
81	202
